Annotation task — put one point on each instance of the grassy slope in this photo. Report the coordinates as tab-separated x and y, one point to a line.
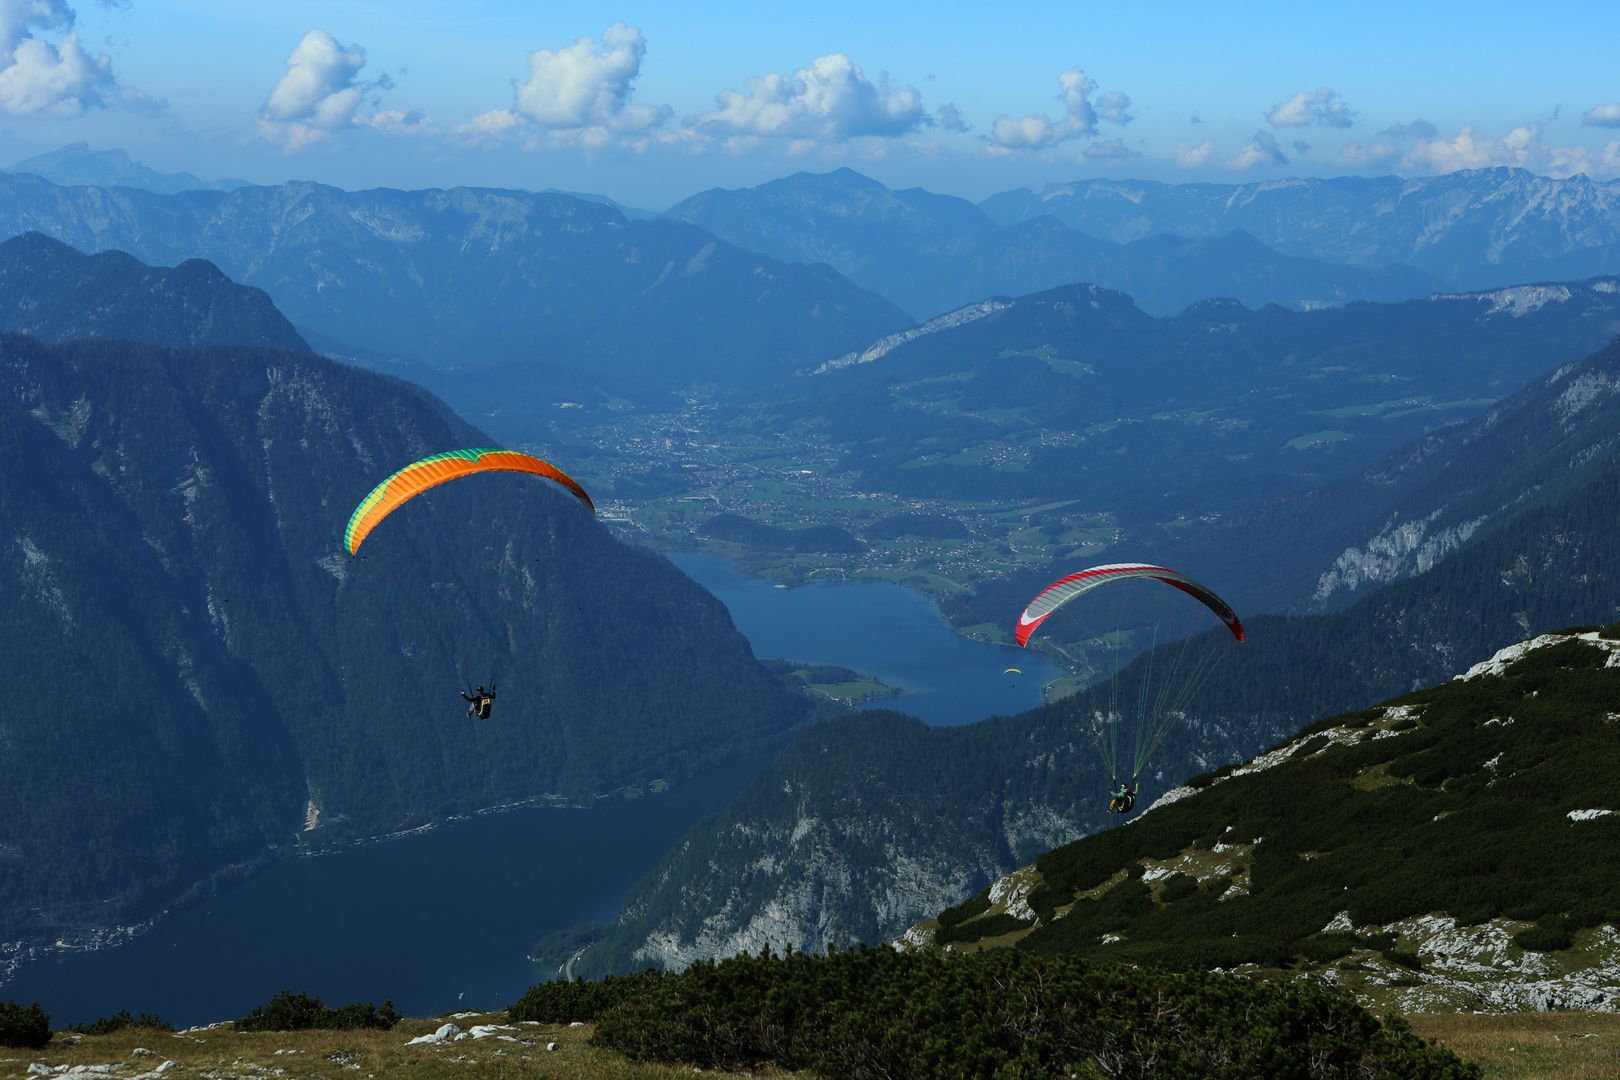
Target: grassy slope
1424	806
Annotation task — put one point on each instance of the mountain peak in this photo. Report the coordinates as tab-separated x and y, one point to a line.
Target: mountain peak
76	165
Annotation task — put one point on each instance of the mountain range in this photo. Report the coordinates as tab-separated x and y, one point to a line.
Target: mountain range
1475	228
933	253
480	278
76	165
1076	401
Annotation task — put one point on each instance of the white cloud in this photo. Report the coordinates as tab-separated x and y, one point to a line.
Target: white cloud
317	96
1040	132
1115	107
585	88
1602	116
1352	155
138	101
1322	109
1521	148
38	77
1262	149
1417	129
950	118
1189	156
493	124
1109	150
398	122
830	101
1470	150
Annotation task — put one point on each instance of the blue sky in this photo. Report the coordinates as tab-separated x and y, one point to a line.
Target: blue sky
961	98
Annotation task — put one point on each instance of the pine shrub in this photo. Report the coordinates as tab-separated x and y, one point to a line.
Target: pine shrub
27	1029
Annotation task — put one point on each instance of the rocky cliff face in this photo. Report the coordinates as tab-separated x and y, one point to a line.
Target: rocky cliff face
869	822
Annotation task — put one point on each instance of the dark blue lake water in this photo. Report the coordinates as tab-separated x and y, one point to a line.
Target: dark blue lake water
883	630
446	919
434	921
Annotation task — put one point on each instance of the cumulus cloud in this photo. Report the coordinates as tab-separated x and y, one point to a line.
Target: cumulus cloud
1352	155
1189	156
1262	149
587	86
1115	107
1301	146
830	101
1417	129
38	77
950	118
1522	148
1323	109
318	95
1109	150
399	122
1080	118
1607	116
1471	150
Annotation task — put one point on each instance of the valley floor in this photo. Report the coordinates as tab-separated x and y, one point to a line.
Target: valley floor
1530	1046
1521	1046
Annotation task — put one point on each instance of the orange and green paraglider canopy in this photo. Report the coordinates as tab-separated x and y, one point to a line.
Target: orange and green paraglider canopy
418	476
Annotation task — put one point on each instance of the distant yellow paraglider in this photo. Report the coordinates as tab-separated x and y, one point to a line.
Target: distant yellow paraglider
1012	671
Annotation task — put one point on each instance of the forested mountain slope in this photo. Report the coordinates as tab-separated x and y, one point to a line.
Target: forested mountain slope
53	292
199	672
1078	404
1326	545
1476	228
1320	547
862	817
1453	846
933	253
481	277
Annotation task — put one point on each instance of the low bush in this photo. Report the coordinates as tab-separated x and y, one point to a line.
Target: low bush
1544	938
872	1013
26	1029
300	1012
120	1020
564	1001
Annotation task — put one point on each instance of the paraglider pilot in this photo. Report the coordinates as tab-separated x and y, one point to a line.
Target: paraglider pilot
1121	799
480	702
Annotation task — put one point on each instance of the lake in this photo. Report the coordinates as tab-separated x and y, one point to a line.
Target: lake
438	920
880	629
445	919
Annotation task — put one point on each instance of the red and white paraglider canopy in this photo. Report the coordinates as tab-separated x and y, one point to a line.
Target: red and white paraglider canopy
1061	592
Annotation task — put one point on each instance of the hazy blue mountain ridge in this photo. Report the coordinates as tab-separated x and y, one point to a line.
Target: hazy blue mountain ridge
1477	229
200	672
932	253
479	278
53	292
76	164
